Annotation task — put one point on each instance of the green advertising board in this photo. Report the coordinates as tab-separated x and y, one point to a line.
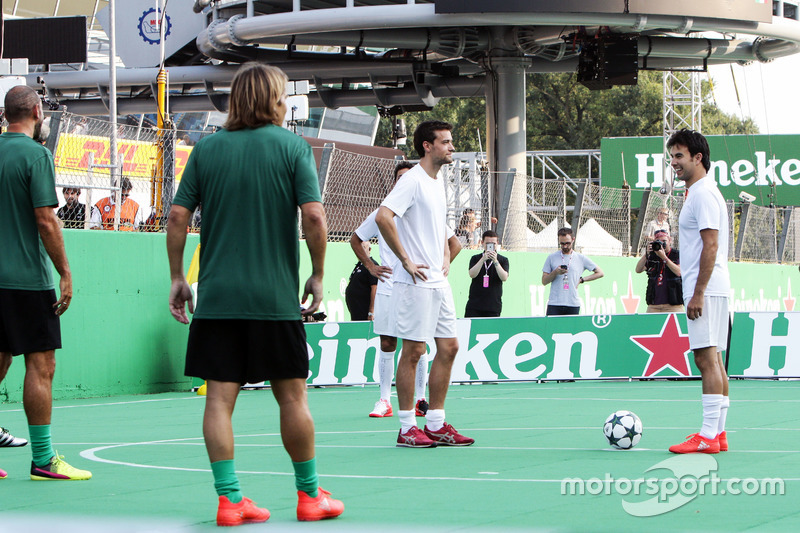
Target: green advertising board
648	346
765	345
524	349
766	166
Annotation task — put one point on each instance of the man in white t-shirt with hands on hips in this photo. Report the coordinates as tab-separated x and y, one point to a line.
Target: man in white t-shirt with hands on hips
421	296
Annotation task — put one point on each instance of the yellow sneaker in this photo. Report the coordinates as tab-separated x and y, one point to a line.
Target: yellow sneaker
58	469
201	390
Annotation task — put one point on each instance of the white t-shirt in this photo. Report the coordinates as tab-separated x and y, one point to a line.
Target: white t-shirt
369	230
421	208
704	208
655	226
564	288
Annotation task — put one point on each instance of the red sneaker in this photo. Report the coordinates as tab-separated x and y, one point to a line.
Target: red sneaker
414	438
448	436
319	508
236	514
3	474
697	444
421	409
723	441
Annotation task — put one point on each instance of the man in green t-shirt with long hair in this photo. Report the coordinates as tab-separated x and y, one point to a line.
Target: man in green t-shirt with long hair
29	307
251	177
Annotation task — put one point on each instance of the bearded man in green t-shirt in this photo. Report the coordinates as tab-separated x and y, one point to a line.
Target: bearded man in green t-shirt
29	307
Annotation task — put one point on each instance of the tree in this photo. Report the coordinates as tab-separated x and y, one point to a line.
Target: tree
564	115
468	116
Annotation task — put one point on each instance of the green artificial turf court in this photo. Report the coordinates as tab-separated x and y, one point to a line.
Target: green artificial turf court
151	471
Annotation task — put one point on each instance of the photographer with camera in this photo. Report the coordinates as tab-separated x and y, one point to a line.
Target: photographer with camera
488	271
662	264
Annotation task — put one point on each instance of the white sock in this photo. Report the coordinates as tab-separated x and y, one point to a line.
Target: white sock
422	377
407	420
434	419
723	413
711	412
385	374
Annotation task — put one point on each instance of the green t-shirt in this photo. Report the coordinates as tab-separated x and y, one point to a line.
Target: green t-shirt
27	181
250	183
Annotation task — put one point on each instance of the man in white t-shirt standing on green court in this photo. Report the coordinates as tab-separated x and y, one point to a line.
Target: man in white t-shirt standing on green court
703	231
421	296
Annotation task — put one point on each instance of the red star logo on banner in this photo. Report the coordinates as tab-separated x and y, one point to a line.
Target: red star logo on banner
667	349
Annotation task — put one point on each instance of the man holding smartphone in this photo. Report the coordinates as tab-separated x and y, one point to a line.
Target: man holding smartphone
488	271
564	269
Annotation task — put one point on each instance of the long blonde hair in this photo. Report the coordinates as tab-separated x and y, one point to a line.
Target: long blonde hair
255	92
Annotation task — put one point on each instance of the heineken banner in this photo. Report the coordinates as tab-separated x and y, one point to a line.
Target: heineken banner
567	348
766	166
765	345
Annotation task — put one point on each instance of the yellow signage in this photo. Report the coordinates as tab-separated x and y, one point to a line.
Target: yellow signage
138	158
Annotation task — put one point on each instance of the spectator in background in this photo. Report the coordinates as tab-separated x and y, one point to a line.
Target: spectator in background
72	213
360	292
660	223
563	269
130	216
663	266
185	140
488	270
466	227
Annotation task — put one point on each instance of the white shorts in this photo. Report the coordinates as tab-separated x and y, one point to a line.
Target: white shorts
711	328
383	322
423	314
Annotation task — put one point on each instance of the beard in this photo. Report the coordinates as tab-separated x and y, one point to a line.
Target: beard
40	133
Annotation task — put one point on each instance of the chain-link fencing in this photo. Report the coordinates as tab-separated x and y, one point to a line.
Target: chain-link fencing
604	219
353	185
91	183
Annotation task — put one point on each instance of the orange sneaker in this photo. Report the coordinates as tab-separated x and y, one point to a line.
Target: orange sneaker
236	514
696	444
723	441
319	508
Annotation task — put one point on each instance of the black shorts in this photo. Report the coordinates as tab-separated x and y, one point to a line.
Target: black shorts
28	321
471	312
246	351
556	310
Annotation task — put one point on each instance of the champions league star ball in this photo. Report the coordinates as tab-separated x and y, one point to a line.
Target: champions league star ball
623	430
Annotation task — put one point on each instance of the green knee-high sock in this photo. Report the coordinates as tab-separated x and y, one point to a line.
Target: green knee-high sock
305	477
225	481
41	445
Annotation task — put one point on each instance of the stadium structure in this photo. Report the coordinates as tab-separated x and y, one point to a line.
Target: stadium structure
404	55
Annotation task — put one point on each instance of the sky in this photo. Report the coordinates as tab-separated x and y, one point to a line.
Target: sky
768	93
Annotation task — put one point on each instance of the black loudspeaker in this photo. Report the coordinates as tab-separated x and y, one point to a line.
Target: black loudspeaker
604	63
47	40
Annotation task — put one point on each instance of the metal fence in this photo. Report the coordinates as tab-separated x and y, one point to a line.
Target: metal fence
604	220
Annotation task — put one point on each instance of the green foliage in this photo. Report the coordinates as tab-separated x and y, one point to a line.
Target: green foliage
468	116
564	115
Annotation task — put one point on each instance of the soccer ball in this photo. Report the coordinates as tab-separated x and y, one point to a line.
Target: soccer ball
623	430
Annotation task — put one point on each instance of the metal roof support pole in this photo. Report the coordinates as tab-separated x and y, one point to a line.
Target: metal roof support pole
506	126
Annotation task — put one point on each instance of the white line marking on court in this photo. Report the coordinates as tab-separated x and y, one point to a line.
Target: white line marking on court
114	403
659	400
